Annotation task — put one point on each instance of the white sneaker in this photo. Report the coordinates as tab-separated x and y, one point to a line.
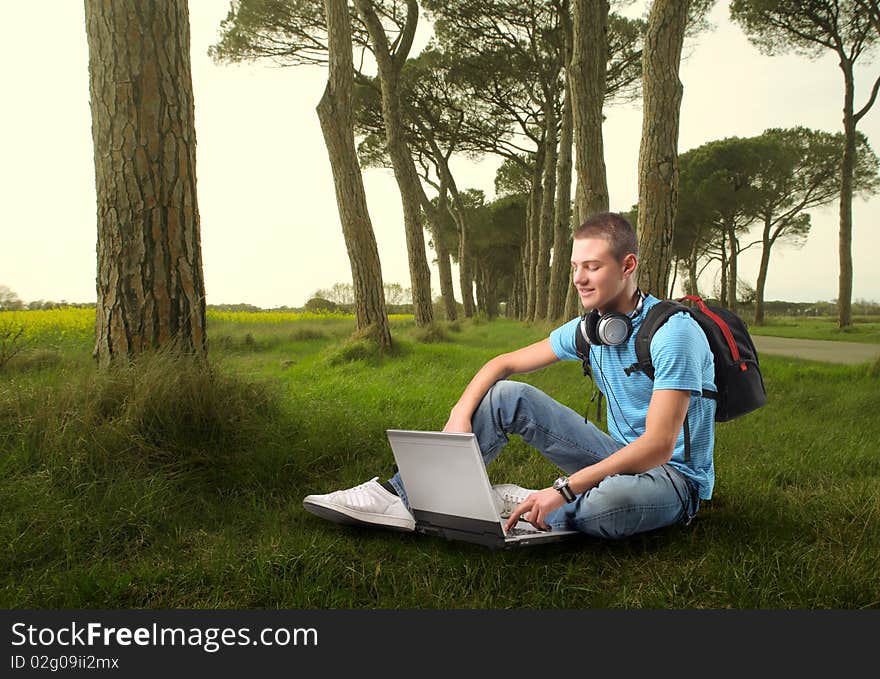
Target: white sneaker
508	496
367	504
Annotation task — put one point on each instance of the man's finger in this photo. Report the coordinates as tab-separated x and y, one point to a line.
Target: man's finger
518	511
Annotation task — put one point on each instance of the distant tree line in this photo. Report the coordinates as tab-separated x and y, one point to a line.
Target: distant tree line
10	301
737	193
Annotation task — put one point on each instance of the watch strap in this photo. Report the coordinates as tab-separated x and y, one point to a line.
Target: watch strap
564	489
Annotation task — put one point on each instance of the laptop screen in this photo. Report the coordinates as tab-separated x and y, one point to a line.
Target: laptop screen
443	473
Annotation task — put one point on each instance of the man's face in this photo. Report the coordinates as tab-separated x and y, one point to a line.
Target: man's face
598	276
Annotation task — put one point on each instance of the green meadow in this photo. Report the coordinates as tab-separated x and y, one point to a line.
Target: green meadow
162	484
863	329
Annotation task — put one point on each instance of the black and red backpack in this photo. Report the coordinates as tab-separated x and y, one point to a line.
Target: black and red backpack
738	381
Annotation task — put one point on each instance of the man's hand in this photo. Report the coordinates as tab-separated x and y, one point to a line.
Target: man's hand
456	423
537	505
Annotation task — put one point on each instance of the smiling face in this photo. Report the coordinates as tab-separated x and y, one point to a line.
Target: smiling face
602	281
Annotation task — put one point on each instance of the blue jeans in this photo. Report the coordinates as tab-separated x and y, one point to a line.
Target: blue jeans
621	505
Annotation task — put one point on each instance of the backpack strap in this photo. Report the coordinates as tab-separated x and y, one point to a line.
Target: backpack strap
582	344
687	438
655	318
657	315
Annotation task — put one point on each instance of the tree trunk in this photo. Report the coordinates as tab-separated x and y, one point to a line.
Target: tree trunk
548	212
465	273
514	307
732	272
692	287
486	293
150	287
404	168
337	124
533	229
764	267
573	305
844	286
586	79
435	216
658	153
560	270
444	267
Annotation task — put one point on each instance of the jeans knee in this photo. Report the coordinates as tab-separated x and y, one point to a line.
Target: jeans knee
510	404
500	407
508	391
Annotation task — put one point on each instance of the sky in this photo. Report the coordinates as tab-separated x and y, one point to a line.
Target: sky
269	224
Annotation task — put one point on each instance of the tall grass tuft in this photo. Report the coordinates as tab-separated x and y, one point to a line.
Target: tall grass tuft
431	333
363	345
109	467
163	412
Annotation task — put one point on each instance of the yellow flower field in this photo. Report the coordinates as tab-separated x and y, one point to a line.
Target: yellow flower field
57	324
71	323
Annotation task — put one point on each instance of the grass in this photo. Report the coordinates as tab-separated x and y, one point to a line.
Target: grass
864	329
164	485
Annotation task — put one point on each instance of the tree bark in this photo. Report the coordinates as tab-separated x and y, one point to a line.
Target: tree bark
444	268
844	286
764	267
465	260
725	271
692	286
533	230
658	153
674	278
573	305
548	211
465	268
515	307
150	286
586	79
560	270
732	271
486	293
405	172
337	124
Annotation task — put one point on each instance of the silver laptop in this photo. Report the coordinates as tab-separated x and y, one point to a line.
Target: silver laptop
450	494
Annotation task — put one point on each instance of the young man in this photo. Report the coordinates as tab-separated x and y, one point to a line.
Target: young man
636	479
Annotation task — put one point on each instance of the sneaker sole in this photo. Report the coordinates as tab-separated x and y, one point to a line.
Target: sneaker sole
352	517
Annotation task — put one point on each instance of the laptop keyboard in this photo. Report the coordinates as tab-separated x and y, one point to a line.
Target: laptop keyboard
513	532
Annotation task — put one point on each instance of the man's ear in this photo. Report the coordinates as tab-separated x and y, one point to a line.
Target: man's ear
630	262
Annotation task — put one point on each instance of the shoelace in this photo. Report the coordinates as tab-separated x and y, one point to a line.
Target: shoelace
358	493
511	502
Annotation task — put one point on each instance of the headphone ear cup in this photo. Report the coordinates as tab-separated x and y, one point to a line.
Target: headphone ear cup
592	322
614	328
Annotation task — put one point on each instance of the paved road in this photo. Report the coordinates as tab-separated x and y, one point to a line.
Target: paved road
817	350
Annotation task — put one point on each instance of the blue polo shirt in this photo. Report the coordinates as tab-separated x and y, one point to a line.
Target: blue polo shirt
682	360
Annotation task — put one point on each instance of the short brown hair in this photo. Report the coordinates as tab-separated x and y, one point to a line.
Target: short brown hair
615	229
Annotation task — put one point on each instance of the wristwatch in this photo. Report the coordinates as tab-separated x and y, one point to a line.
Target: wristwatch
561	484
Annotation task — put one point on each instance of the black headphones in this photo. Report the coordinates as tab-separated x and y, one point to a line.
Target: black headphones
611	328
